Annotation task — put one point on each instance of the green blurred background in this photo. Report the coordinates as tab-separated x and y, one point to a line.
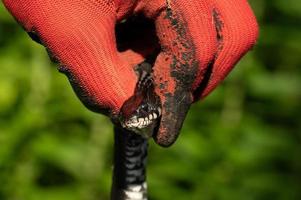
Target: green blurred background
240	143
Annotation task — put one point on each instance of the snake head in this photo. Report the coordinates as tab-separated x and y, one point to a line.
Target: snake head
142	111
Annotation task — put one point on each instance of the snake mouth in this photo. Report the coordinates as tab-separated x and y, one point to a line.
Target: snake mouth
144	118
139	122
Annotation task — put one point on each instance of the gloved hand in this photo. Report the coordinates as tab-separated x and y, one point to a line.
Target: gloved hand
200	42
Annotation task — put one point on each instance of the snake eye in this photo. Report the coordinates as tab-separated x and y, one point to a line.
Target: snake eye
143	106
144	109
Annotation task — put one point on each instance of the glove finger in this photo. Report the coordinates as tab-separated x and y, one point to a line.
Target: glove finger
187	38
237	31
80	34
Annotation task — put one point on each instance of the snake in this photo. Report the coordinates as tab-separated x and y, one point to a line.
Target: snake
138	119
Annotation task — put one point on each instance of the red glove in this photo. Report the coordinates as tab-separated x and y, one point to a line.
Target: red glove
200	43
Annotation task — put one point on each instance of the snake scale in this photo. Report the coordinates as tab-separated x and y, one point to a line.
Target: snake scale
138	119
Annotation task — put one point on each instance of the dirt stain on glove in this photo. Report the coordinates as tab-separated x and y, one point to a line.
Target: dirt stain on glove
174	87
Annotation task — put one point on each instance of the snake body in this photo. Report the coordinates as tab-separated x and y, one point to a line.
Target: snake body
129	175
138	118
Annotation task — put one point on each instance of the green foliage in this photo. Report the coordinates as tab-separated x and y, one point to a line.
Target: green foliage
240	143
